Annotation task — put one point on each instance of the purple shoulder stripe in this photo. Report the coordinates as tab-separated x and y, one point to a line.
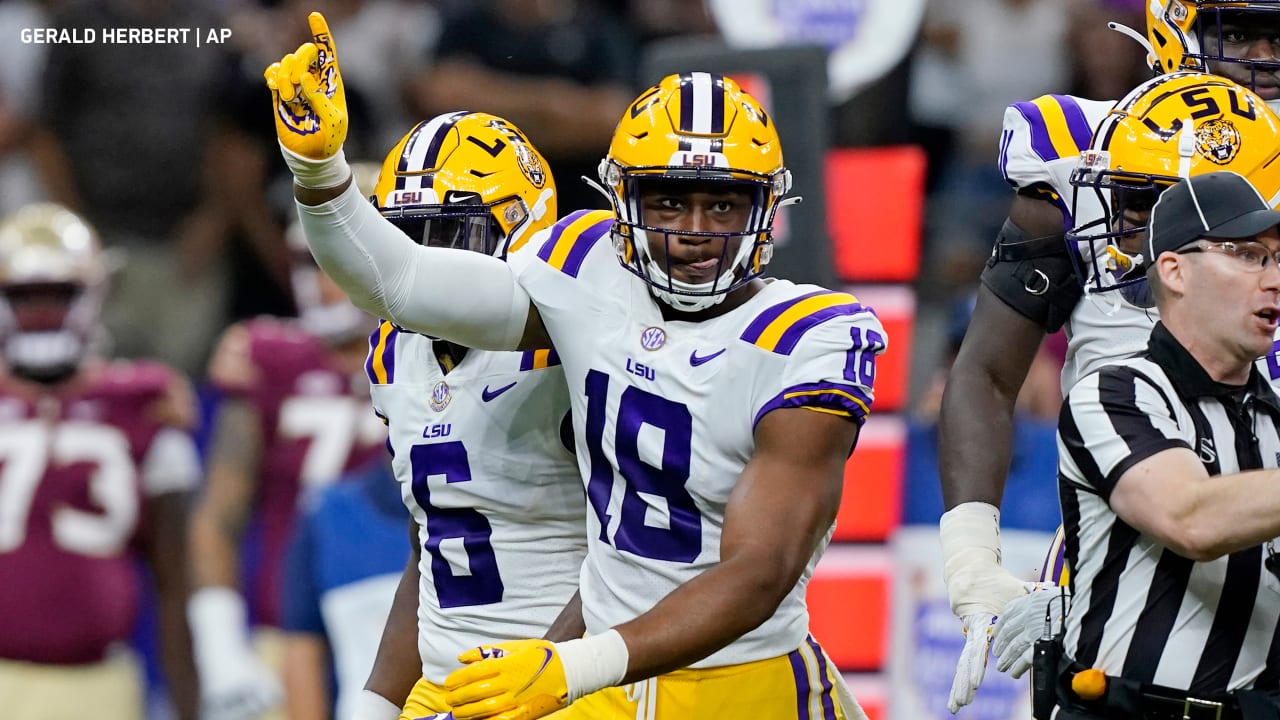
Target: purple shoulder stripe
582	246
766	318
1077	124
792	336
1040	141
549	245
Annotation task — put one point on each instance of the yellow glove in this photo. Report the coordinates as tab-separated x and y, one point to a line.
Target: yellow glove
516	680
306	88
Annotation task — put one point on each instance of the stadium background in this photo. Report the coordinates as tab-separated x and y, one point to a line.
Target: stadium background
889	112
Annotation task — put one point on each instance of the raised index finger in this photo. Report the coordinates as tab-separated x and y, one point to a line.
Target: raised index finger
323	39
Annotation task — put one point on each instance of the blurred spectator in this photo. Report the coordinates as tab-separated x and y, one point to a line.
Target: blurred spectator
865	38
658	19
868	44
348	551
129	131
1105	63
1031	496
96	467
560	69
294	415
21	69
961	83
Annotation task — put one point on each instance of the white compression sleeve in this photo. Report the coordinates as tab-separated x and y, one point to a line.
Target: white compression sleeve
459	295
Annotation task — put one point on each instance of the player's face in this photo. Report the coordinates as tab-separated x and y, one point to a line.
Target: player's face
1245	36
40	308
687	209
1133	212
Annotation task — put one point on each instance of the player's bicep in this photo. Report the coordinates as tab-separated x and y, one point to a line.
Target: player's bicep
998	347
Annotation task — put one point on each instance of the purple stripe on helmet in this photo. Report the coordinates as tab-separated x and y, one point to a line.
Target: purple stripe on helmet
1081	133
717	104
830	395
801	676
582	246
828	707
764	319
403	164
549	246
791	337
433	150
1040	141
686	102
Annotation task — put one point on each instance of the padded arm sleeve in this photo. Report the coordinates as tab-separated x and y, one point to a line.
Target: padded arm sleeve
1034	276
462	296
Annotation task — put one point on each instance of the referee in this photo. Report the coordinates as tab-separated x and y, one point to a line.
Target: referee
1170	497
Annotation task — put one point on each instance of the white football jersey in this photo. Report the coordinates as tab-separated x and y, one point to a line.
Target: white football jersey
665	413
1040	147
483	468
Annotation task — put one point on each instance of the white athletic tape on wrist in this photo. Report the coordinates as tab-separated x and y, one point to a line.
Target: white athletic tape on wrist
317	174
976	583
593	663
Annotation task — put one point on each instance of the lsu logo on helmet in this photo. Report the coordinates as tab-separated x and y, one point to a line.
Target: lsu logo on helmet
1171	127
1218	140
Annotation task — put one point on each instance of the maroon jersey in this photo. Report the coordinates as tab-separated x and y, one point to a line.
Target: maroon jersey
75	468
316	424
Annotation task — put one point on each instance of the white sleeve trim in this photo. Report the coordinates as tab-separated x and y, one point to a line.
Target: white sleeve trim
466	297
171	464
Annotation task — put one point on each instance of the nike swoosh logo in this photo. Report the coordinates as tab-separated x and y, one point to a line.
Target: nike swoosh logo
695	360
545	661
487	394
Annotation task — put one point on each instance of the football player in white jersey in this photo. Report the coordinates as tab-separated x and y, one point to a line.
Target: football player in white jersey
713	411
1030	287
478	438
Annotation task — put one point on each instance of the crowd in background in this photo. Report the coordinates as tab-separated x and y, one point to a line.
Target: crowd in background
168	150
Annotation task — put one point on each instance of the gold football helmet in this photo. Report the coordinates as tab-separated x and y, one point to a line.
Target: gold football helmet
695	126
1220	37
53	282
467	180
1170	127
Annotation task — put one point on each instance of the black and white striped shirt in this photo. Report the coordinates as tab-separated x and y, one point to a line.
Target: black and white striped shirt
1140	610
